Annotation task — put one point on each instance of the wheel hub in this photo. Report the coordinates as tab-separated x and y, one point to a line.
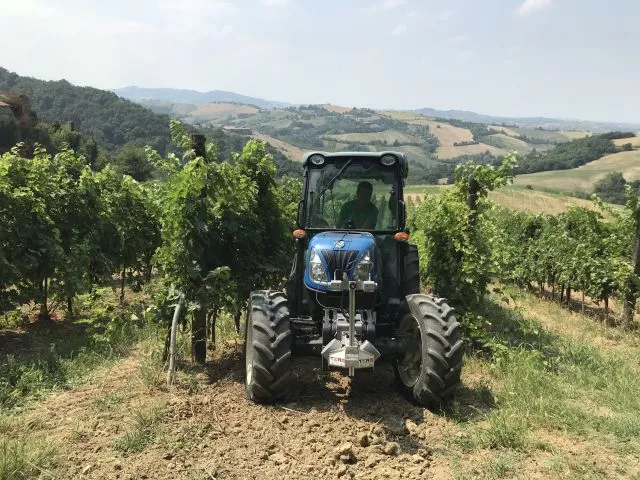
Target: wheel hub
410	363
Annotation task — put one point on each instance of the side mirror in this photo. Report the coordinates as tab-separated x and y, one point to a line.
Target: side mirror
300	213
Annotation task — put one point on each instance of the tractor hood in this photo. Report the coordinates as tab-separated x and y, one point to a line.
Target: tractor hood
330	254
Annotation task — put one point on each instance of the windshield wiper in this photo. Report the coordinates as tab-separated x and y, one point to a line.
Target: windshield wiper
340	172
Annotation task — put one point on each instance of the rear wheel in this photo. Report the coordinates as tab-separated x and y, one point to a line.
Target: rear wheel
428	371
267	347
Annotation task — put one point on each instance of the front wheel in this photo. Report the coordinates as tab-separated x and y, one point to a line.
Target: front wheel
267	347
428	371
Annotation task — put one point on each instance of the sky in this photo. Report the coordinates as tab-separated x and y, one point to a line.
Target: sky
555	58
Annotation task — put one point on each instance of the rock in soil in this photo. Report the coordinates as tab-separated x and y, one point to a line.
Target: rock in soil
363	439
392	448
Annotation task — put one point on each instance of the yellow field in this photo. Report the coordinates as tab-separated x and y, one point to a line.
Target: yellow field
505	130
389	135
534	202
405	116
634	141
335	108
519	199
290	151
453	152
576	135
448	134
507	142
583	178
211	111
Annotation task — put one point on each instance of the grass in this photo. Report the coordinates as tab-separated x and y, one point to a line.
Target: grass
25	459
23	454
584	177
550	390
108	402
146	425
45	358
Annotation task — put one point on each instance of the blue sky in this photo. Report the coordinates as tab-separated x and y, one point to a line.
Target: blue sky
557	58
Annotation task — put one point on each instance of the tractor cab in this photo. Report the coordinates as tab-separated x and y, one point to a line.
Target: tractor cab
353	295
353	218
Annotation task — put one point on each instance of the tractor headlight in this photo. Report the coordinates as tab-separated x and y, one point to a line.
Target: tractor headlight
317	272
364	267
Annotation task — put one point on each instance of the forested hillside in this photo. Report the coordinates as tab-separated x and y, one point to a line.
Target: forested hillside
109	120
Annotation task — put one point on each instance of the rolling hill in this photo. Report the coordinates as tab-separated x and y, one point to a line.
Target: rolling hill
514	198
530	122
583	178
174	95
108	119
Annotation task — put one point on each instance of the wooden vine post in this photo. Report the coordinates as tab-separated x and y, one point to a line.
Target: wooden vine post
631	289
199	324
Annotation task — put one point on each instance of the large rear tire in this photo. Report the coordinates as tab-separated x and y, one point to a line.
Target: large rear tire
267	347
428	372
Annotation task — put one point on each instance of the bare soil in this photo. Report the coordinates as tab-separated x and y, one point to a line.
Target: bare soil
334	427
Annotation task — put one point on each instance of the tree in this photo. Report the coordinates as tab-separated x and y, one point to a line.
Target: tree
611	188
132	160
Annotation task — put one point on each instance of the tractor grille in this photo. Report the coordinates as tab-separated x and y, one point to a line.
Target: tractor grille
339	261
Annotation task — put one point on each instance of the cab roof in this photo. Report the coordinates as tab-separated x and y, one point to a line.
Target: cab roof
402	158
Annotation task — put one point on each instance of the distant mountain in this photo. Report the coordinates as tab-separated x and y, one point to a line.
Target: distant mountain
530	122
138	94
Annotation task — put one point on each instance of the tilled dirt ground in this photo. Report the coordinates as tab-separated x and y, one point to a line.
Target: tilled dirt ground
332	427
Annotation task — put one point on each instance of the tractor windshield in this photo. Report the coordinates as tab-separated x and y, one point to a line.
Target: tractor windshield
352	194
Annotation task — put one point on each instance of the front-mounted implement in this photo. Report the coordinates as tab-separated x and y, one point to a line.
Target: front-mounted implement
353	295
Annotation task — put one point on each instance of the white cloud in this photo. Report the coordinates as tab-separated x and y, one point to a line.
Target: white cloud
532	6
275	3
225	31
392	4
197	6
445	15
465	54
513	49
399	31
30	8
459	40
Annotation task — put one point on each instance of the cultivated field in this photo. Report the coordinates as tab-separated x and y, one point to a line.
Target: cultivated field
335	108
583	178
560	400
634	141
389	135
506	130
453	152
290	151
509	143
447	134
576	135
514	198
220	111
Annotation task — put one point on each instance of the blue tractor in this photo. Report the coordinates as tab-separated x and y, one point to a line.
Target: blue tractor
353	295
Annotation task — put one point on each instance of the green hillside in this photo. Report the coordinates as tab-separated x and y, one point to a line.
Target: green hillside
583	178
109	120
